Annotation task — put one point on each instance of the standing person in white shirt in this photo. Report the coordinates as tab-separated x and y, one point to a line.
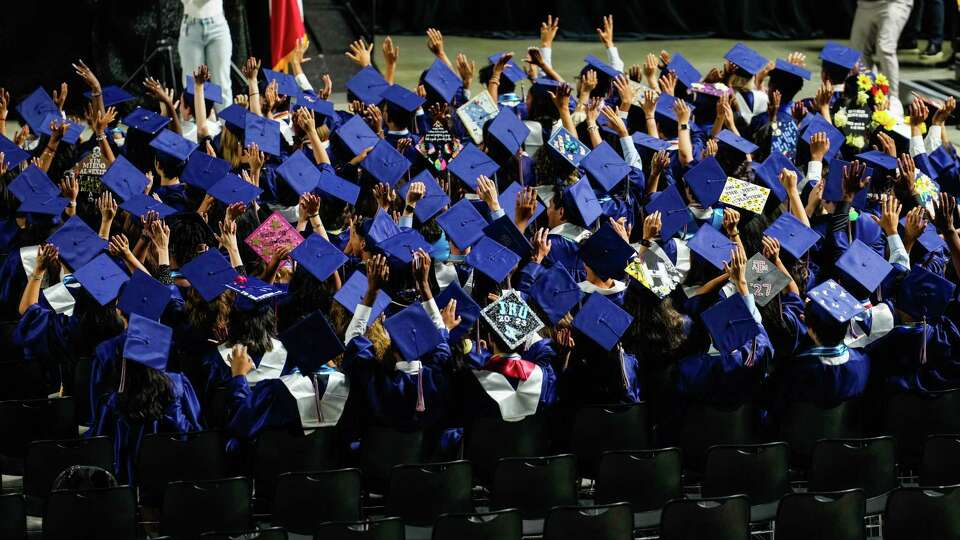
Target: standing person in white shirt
205	39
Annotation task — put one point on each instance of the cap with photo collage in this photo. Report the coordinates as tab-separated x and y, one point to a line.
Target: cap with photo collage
434	197
470	164
605	166
511	319
77	242
462	224
655	272
603	321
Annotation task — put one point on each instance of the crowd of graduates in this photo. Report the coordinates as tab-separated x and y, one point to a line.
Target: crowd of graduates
496	242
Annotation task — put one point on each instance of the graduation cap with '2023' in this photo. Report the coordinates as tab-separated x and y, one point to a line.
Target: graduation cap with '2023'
511	319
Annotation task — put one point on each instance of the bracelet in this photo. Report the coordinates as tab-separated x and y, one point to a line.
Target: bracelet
593	128
311	216
494	80
97	94
651	117
251	94
35	277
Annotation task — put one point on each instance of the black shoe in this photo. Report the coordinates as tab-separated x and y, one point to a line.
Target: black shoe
933	54
908	47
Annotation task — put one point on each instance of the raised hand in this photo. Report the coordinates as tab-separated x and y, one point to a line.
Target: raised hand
771	249
541	245
561	98
449	314
652	225
385	195
416	192
819	146
731	218
524	207
548	31
854	179
465	68
61	97
605	32
435	42
391	52
487	191
360	53
668	83
251	68
378	273
201	74
240	362
87	75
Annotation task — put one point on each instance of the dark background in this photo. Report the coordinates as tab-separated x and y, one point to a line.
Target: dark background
39	39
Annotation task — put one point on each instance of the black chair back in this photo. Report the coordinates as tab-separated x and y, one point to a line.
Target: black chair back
646	479
722	518
869	464
922	512
45	461
912	417
21	380
534	485
192	508
835	515
499	525
272	533
81	389
707	425
279	451
419	493
22	422
803	424
490	439
759	471
171	457
601	428
940	464
607	522
382	448
91	514
390	528
13	517
304	500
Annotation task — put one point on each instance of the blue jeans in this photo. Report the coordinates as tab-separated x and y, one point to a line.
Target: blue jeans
207	41
927	18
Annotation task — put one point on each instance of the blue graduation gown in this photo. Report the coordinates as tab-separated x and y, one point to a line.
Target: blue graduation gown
270	365
44	336
898	356
595	380
104	372
566	252
174	196
509	387
724	378
182	415
826	375
13	280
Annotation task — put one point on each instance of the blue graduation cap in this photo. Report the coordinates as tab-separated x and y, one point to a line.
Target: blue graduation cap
320	106
833	301
77	242
746	58
13	155
74	129
795	237
863	266
467	309
402	245
542	86
606	253
286	83
508	200
338	188
112	95
508	130
924	295
412	332
144	296
381	227
673	211
818	124
368	85
232	189
929	240
506	233
492	259
712	246
203	170
706	179
642	141
462	224
211	92
385	163
318	256
35	108
356	135
403	98
769	173
602	321
731	141
145	120
102	278
235	116
263	131
299	172
686	73
601	67
665	110
32	182
442	80
567	147
147	342
792	70
580	196
839	55
556	292
140	204
605	166
880	160
470	164
124	179
49	205
209	273
833	189
510	69
352	292
173	145
433	200
730	323
311	342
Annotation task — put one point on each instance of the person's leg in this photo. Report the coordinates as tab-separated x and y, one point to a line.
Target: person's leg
934	21
908	41
218	51
190	47
863	31
891	25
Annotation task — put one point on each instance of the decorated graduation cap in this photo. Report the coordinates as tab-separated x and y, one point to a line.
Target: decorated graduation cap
924	294
508	131
673	211
833	301
351	295
144	296
744	195
555	292
286	83
13	155
712	246
603	321
262	131
508	199
368	85
687	75
605	166
730	323
769	173
402	245
462	223
505	232
299	172
337	187
833	189
203	170
145	120
470	164
147	343
816	125
402	98
356	135
139	205
606	253
511	319
602	68
567	147
412	332
124	179
492	259
211	92
77	242
511	70
35	107
385	163
33	182
746	59
232	189
731	142
48	205
311	342
862	265
381	227
442	81
580	198
173	145
112	95
706	179
273	234
795	237
839	55
654	270
102	278
318	256
209	273
467	309
433	200
764	279
253	294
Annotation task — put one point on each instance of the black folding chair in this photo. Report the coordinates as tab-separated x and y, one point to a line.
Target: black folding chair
279	451
498	525
488	440
646	479
304	500
606	522
22	422
45	461
383	448
922	512
803	424
940	463
192	508
912	417
869	464
13	517
721	518
81	389
759	471
390	528
21	379
708	425
419	493
170	457
836	515
272	533
91	514
601	428
534	485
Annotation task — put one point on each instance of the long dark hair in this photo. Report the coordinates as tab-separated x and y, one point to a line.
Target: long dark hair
96	323
306	295
657	331
253	328
146	395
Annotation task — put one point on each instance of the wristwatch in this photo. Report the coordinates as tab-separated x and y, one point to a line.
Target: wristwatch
684	127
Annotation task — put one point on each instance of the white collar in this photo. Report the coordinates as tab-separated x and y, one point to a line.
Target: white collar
271	364
410	368
400	133
589	288
331	404
571	232
514	404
